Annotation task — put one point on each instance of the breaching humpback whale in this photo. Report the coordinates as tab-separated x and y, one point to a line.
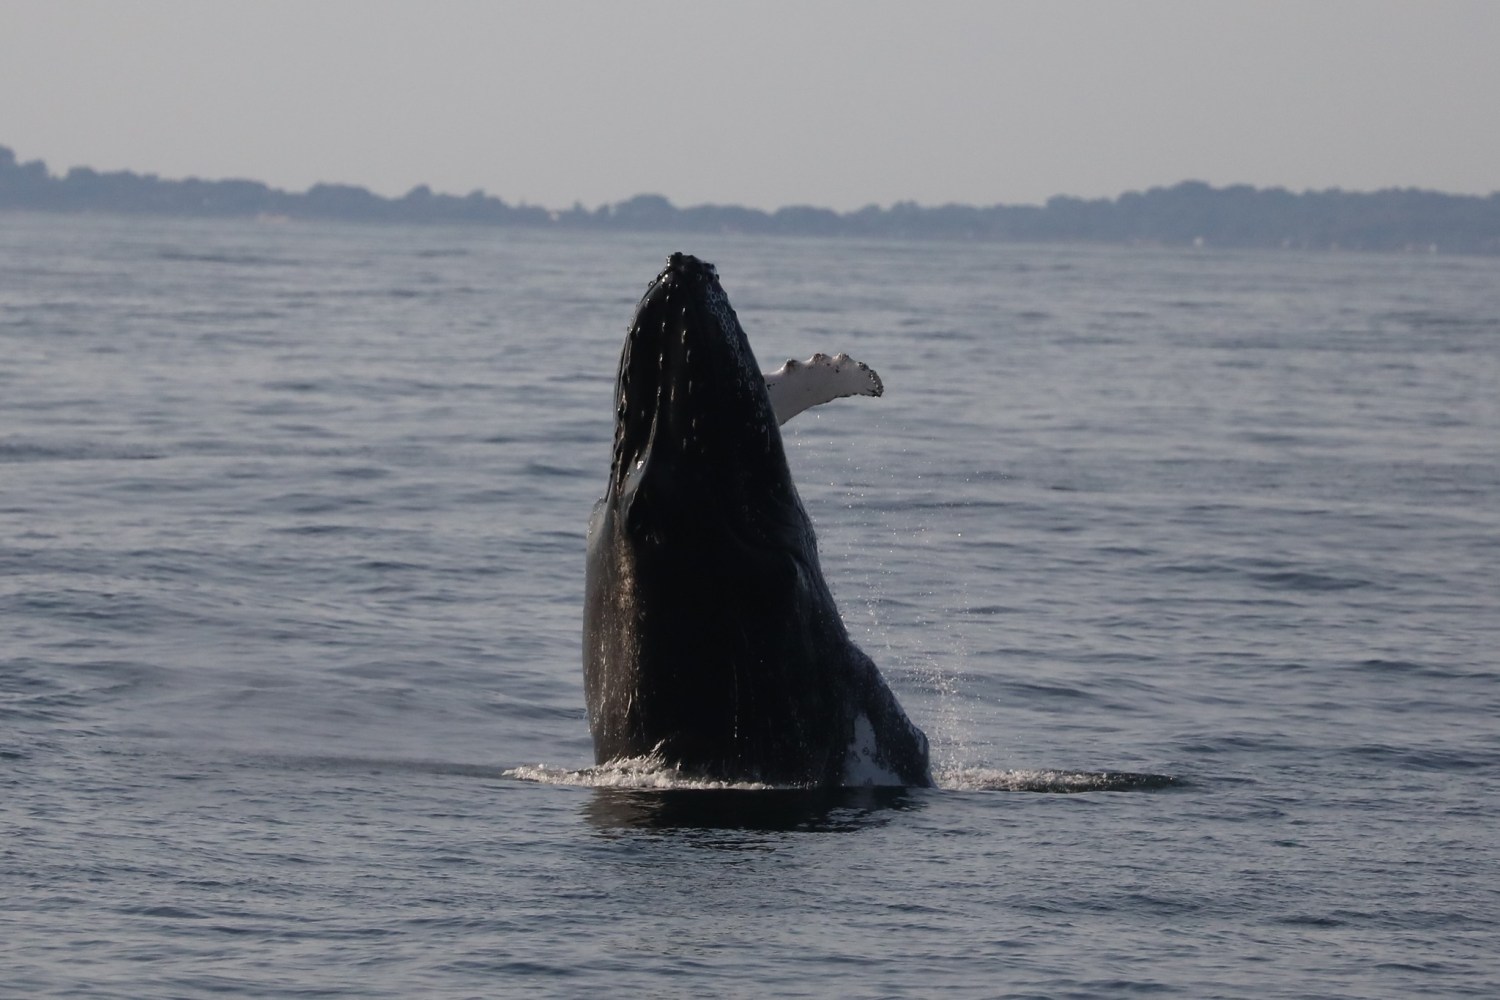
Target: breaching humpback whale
710	638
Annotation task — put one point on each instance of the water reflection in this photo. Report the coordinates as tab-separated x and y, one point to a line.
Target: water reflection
770	809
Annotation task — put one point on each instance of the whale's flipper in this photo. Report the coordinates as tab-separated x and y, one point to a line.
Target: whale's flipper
800	385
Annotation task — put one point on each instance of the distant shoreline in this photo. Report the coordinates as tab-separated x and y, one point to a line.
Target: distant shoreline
1190	213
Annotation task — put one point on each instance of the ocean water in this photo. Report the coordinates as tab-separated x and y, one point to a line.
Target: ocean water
291	568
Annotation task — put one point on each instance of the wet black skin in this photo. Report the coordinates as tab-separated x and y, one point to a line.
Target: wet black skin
709	635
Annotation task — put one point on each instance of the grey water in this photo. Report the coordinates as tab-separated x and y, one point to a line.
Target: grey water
291	565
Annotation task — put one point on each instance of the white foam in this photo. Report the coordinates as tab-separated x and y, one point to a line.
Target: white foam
650	771
984	779
861	770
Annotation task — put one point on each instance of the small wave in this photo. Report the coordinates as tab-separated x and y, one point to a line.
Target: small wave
236	259
1306	581
983	779
26	451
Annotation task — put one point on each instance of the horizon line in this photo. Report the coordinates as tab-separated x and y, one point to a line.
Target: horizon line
7	153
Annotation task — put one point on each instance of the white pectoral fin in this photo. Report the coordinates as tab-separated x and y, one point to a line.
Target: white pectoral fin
800	385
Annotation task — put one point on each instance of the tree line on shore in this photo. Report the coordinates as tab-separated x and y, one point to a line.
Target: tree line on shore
1190	213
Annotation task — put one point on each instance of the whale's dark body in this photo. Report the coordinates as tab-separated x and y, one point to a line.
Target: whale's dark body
710	637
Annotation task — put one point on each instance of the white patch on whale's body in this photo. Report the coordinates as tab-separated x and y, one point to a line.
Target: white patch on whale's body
800	385
863	762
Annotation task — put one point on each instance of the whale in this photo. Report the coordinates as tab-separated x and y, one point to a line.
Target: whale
711	641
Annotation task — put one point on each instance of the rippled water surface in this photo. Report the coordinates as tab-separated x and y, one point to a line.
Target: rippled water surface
291	566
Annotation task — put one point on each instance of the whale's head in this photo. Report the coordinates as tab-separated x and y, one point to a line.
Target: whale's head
694	424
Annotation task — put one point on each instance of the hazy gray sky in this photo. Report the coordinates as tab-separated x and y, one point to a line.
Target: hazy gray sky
765	104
